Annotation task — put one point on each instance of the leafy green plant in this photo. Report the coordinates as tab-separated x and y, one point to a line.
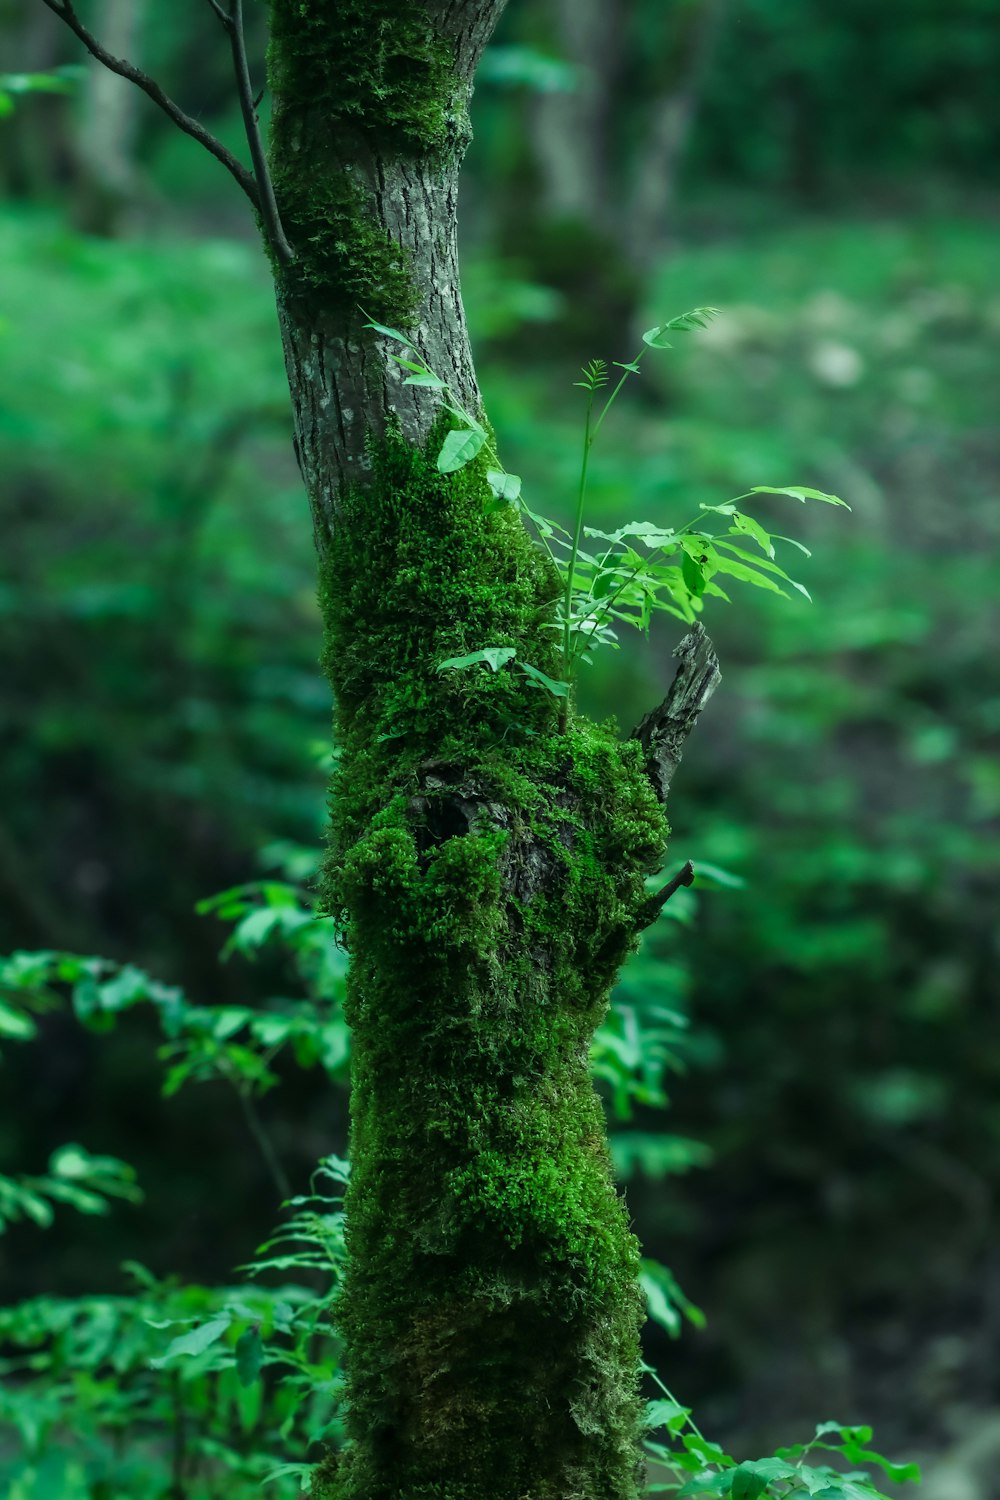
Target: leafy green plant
642	567
692	1465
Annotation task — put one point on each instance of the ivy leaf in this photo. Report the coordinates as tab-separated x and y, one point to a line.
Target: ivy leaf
493	657
459	448
506	487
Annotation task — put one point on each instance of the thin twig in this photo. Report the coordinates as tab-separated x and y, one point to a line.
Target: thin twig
267	203
220	13
260	1134
65	10
650	910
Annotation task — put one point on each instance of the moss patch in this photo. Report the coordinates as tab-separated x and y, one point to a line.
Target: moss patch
353	81
377	67
486	872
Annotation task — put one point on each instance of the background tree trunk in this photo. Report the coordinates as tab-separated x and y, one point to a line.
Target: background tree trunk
105	143
486	871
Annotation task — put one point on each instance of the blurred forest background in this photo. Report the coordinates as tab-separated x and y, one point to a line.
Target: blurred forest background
825	1183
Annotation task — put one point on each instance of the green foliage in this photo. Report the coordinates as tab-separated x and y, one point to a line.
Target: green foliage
54	81
673	573
239	1374
701	1469
84	1182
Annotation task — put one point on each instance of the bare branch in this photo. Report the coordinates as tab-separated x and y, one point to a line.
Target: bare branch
220	13
65	10
267	204
665	729
650	910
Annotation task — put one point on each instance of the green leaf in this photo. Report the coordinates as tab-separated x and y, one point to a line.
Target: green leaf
195	1342
249	1356
556	688
748	526
747	1485
669	1414
459	448
710	1452
303	1472
390	333
759	562
749	575
506	487
698	317
792	542
424	377
647	532
692	574
798	492
493	657
15	1024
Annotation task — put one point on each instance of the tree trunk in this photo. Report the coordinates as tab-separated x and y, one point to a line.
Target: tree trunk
105	144
485	870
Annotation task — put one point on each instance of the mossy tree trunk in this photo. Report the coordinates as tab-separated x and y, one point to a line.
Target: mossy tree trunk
486	870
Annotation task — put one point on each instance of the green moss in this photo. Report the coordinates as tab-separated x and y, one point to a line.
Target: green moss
486	871
374	67
354	80
343	255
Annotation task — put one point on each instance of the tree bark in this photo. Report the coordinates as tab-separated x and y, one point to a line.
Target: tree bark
485	870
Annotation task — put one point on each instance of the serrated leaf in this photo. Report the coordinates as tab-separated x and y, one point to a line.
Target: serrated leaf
506	487
747	526
652	536
459	448
764	564
493	657
799	492
748	575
